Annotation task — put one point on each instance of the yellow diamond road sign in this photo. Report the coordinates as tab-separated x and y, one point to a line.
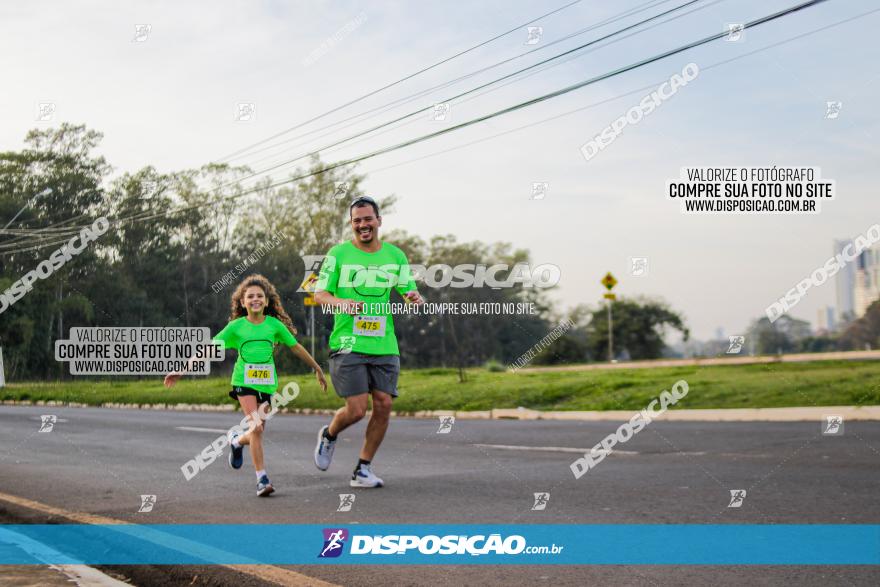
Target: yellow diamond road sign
608	281
309	284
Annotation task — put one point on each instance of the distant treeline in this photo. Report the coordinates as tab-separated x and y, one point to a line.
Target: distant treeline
178	243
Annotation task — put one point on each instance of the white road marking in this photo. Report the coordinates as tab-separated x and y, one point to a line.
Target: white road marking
81	575
553	449
267	573
197	429
581	451
85	576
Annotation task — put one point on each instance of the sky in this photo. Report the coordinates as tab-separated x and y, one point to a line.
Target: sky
168	97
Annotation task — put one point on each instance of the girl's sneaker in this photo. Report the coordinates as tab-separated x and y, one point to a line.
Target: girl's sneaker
236	455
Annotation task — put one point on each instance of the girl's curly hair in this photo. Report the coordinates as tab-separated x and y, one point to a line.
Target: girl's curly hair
273	306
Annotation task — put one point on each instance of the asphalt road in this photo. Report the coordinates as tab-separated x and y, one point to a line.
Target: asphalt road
100	461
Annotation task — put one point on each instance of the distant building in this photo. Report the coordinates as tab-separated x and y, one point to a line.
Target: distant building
825	320
845	283
857	283
867	282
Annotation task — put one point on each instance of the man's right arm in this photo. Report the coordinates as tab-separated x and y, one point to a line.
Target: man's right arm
325	298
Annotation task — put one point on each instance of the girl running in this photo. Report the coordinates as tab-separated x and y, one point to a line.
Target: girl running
257	322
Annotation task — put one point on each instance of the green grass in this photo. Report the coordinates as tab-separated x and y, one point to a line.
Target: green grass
734	386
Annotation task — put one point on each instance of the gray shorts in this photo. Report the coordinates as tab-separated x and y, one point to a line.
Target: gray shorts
356	373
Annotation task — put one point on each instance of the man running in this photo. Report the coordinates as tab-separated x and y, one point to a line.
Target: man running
356	280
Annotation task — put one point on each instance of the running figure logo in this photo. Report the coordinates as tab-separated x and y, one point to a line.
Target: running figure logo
832	109
141	32
346	500
245	112
47	423
440	112
832	426
736	498
312	264
147	503
735	32
639	266
446	424
334	541
341	190
541	500
347	343
539	190
736	344
535	34
148	187
45	111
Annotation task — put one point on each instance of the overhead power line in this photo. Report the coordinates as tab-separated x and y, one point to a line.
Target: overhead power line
616	97
470	91
520	77
401	80
537	68
515	107
406	99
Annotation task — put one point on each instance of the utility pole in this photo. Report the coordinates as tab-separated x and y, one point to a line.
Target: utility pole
308	286
610	333
609	282
312	327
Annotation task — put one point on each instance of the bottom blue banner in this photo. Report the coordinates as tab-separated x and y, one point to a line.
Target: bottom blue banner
599	544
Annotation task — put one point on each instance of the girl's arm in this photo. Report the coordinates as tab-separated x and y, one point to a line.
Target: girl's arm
175	376
303	355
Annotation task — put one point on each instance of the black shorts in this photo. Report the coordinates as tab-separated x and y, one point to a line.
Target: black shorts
356	373
262	398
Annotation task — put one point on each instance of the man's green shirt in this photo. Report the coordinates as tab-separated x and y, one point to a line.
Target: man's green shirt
353	274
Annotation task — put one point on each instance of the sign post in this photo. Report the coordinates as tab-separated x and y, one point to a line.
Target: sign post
609	282
308	285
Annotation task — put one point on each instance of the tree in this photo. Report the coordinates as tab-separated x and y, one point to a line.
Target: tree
782	336
471	339
61	160
640	325
573	346
864	332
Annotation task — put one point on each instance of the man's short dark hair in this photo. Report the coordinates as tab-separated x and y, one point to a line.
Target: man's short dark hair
363	201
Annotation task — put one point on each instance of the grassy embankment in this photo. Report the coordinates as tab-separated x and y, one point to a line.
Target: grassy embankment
734	386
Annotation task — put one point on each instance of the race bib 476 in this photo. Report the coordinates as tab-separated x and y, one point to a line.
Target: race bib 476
259	374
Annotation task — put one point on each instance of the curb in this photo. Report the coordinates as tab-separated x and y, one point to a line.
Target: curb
795	414
712	361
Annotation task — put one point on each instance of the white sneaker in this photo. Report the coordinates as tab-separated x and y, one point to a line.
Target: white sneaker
364	477
324	450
